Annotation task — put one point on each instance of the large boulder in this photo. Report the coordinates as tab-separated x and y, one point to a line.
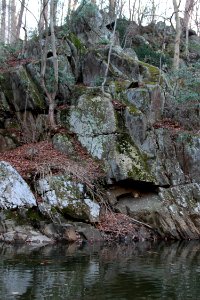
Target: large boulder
173	212
173	158
7	141
13	233
98	128
67	74
123	65
14	191
62	143
21	91
149	100
69	197
93	69
88	24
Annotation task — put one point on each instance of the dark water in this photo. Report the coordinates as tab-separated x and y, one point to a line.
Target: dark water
139	271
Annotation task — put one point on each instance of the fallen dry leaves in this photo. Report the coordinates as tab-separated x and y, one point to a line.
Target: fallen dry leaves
35	159
120	227
169	124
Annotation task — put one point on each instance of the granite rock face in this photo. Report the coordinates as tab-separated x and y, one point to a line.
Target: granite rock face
69	197
95	122
14	191
124	127
174	212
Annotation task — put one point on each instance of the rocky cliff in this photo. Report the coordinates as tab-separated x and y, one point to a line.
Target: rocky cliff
145	160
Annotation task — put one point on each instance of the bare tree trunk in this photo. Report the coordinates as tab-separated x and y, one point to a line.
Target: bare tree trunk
53	7
153	11
121	6
177	37
25	37
129	9
197	21
61	18
75	2
109	56
189	6
50	94
112	7
53	41
3	21
69	8
133	10
9	23
43	15
138	13
19	23
13	21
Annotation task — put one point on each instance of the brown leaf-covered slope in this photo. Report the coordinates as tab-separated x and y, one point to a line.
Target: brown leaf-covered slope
39	159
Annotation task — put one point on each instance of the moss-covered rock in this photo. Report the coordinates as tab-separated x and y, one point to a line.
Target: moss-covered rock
7	141
69	197
62	143
21	91
128	162
98	128
149	100
93	120
88	25
154	76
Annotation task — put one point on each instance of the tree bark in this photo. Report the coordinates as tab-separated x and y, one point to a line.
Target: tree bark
112	7
19	23
69	8
43	15
44	44
177	37
189	6
13	22
3	21
109	56
53	41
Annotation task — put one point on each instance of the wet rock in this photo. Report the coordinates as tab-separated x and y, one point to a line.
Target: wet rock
11	231
24	234
88	232
59	232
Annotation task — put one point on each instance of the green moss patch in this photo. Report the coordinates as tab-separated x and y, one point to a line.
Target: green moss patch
154	73
31	88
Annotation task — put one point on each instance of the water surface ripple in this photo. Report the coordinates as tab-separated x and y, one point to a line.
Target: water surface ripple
100	272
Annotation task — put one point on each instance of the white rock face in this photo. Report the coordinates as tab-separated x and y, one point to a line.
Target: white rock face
14	191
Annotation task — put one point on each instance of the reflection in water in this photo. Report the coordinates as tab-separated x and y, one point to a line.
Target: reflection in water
139	271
